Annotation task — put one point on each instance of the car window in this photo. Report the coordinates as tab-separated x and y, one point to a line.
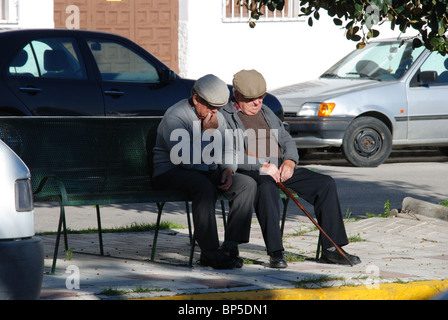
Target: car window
117	62
438	63
49	58
24	63
377	61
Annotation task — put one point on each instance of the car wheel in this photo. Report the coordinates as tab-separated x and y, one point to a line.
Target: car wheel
367	142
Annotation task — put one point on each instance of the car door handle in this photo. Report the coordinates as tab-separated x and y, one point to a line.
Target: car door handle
31	90
114	93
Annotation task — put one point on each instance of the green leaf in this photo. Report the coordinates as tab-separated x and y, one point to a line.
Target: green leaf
416	43
310	21
360	45
436	41
337	21
349	25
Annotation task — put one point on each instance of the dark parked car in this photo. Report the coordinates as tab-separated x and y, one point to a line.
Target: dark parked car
85	73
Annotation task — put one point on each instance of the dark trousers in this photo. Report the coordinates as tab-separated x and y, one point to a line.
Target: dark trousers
202	188
315	188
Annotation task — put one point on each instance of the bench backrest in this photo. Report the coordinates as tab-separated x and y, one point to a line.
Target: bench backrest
102	155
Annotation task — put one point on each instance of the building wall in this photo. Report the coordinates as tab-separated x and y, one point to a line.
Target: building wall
153	24
285	52
26	14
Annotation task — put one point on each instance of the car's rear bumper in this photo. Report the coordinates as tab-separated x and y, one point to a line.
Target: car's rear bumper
21	268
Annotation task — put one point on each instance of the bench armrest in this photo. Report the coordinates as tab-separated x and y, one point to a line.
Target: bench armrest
62	190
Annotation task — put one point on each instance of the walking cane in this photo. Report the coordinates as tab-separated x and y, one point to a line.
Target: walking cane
282	186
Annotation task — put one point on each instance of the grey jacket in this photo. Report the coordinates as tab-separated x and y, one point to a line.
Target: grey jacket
287	145
181	142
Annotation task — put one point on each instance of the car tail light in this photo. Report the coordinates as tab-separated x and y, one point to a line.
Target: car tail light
23	195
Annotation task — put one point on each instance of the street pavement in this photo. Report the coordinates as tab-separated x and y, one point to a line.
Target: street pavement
403	257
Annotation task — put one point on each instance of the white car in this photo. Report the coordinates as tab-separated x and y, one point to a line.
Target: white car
385	95
21	254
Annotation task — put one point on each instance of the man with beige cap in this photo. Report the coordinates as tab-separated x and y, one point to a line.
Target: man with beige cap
179	164
270	156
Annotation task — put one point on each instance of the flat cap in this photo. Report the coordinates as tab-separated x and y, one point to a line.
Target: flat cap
213	90
249	83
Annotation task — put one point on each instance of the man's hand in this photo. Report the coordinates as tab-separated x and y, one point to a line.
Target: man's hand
226	179
272	170
210	121
286	170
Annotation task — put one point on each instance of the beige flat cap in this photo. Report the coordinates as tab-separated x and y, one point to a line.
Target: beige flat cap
249	83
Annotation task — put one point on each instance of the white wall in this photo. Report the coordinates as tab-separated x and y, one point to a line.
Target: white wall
32	14
36	14
285	52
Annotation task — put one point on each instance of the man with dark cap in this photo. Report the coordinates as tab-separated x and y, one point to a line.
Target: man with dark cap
269	156
193	164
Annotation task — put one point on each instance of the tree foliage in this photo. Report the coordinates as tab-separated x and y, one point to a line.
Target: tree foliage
360	18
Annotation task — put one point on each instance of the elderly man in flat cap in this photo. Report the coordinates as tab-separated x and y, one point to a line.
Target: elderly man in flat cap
270	156
183	164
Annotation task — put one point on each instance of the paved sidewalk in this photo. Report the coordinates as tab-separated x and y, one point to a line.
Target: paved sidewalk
404	257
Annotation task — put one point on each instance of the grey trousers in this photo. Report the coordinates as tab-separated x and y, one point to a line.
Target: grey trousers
202	187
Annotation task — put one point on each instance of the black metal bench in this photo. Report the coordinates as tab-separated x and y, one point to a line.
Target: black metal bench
78	161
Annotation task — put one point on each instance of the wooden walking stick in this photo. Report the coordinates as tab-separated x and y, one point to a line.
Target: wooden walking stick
282	186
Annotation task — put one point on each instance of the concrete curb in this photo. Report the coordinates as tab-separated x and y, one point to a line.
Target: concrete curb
421	290
425	208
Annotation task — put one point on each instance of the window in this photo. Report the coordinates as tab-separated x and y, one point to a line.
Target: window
438	63
119	63
377	61
49	58
234	12
8	11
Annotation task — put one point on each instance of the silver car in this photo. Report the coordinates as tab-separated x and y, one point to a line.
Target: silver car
387	94
21	253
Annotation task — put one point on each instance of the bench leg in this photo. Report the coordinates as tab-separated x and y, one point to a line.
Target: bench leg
61	224
319	246
285	208
192	240
223	211
100	233
156	232
160	206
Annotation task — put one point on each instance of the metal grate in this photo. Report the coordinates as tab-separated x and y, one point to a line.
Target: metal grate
234	12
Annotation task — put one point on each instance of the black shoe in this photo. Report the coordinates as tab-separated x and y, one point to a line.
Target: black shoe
331	255
216	259
277	260
234	254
